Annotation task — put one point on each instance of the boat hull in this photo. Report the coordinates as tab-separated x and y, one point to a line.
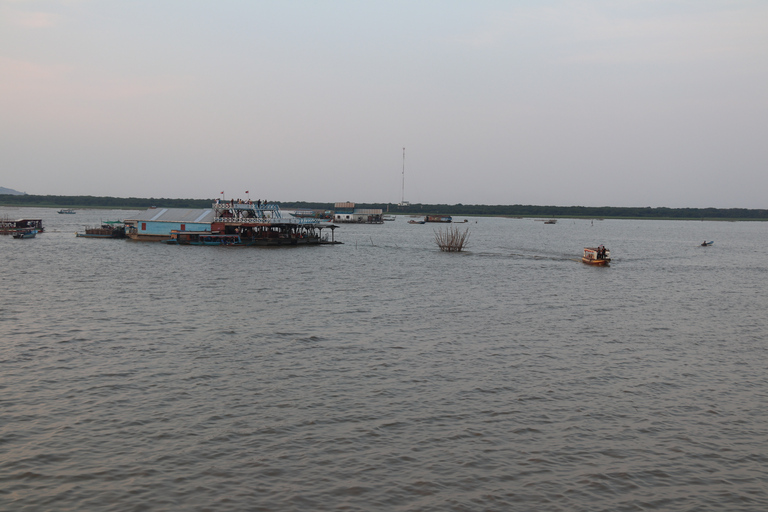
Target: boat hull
25	235
599	263
438	218
90	235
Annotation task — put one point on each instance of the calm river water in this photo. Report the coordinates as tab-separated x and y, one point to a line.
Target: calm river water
384	375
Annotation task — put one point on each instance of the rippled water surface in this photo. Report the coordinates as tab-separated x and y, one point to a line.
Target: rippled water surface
385	375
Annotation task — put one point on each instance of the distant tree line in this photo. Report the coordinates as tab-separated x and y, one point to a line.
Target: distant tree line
516	210
101	202
519	210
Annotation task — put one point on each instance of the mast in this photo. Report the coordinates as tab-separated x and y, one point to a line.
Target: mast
402	196
402	192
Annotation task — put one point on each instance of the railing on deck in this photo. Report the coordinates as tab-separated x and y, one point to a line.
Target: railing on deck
266	211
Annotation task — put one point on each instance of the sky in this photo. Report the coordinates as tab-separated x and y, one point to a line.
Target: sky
591	103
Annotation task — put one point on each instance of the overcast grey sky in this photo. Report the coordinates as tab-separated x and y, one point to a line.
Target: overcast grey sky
620	103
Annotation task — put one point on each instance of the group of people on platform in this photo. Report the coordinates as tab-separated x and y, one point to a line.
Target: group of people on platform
261	233
232	202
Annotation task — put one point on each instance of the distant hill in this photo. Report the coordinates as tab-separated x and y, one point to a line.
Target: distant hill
10	191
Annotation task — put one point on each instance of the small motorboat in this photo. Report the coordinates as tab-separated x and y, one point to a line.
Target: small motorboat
28	233
596	256
67	210
417	222
706	244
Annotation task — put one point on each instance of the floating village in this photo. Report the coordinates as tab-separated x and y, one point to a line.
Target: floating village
234	222
247	223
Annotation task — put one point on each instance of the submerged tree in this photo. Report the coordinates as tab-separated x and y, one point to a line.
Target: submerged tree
452	239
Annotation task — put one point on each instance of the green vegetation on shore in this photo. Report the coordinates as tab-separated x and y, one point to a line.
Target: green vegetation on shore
517	210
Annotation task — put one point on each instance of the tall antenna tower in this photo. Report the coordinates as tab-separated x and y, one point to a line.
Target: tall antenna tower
403	202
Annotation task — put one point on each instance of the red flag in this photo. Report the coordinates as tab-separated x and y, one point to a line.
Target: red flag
247	192
222	192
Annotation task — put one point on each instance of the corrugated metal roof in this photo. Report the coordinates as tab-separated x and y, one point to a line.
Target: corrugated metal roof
344	205
175	215
368	211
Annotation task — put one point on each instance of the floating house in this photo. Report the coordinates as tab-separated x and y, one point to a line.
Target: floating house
239	223
156	224
262	224
347	213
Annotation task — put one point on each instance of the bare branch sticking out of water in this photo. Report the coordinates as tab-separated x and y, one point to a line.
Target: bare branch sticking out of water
452	239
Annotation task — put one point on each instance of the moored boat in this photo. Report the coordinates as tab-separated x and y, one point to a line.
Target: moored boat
12	227
596	256
109	229
388	218
67	211
438	218
29	233
312	214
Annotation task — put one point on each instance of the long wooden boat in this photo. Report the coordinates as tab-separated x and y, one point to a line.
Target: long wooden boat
106	230
69	211
11	227
438	218
596	256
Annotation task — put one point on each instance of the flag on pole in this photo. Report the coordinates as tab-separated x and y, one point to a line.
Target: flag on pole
247	192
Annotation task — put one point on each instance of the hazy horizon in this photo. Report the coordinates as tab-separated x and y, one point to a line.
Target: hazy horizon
282	201
580	103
